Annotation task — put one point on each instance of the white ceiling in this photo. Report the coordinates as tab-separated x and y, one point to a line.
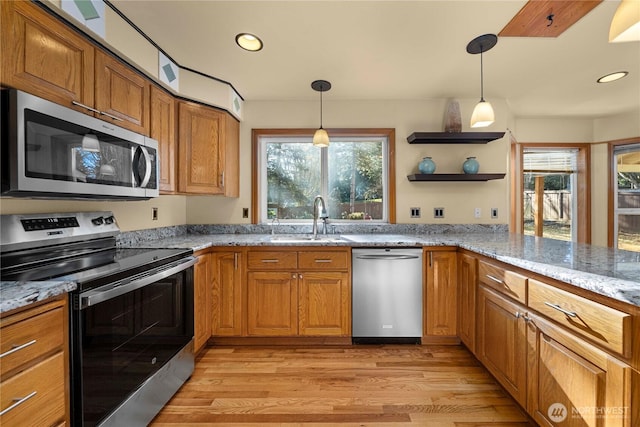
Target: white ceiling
383	50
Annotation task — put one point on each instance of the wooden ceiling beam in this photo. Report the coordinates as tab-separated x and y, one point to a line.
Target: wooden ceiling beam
546	18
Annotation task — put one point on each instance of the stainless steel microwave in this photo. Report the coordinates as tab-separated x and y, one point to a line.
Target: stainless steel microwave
50	151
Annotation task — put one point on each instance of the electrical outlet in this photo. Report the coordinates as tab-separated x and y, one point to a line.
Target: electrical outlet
245	212
415	212
477	213
494	212
154	214
438	212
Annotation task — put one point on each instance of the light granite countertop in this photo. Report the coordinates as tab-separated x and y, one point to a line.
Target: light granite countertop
20	294
609	272
605	271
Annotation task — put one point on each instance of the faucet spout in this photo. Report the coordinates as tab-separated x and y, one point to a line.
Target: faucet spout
318	213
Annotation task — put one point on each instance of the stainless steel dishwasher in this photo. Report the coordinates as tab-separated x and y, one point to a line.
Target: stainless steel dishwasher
387	295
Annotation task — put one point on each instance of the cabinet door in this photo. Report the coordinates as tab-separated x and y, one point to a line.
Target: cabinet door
324	304
467	286
42	56
502	341
201	148
122	95
272	303
202	301
574	384
441	293
231	182
227	294
163	130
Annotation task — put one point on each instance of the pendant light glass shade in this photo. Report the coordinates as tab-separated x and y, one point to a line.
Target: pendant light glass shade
483	115
625	25
321	138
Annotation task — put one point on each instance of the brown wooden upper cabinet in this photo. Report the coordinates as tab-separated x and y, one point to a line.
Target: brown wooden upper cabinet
122	95
163	130
44	57
208	151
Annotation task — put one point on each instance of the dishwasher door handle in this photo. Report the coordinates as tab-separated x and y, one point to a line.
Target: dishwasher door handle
389	257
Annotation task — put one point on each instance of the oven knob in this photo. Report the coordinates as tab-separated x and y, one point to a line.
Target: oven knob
109	219
98	221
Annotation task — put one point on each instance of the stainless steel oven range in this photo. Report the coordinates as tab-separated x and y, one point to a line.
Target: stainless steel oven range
131	318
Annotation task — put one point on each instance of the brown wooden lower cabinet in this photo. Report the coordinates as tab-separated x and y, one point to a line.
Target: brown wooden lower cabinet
467	289
574	384
272	303
227	293
202	307
502	341
440	296
35	365
324	304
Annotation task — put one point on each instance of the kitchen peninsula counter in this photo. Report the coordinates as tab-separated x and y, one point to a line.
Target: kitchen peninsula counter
609	272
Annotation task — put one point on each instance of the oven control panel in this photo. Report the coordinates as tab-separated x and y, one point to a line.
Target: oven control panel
33	224
29	230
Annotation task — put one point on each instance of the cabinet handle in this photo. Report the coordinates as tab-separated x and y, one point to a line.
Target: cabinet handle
495	279
324	260
235	260
222	179
86	106
17	347
272	261
111	116
561	310
17	401
430	259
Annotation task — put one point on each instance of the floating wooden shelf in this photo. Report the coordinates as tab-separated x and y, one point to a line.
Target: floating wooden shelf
453	137
455	177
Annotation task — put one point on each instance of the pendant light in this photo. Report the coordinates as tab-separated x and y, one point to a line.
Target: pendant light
321	137
625	25
483	114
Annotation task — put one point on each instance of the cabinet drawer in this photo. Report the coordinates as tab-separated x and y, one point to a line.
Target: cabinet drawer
41	391
318	260
30	338
272	260
604	325
504	281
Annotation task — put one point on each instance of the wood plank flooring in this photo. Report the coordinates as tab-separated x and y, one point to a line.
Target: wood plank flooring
351	386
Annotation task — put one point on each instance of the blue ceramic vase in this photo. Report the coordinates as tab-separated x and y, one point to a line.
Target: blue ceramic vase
427	166
470	165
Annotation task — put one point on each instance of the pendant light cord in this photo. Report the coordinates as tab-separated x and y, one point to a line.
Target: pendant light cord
481	77
321	90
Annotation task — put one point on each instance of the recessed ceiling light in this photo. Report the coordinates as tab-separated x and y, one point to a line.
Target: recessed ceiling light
249	42
612	77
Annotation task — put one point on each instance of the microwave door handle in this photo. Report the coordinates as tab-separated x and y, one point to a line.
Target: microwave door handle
147	161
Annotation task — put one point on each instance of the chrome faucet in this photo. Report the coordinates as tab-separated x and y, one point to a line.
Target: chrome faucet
318	214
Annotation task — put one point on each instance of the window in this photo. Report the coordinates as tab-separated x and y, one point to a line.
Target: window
352	175
554	196
626	197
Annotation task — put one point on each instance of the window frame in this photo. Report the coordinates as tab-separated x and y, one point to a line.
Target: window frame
583	186
611	208
256	159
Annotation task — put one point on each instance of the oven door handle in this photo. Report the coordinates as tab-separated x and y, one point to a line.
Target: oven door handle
115	289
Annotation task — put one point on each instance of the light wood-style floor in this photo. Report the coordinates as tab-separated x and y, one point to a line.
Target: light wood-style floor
381	386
